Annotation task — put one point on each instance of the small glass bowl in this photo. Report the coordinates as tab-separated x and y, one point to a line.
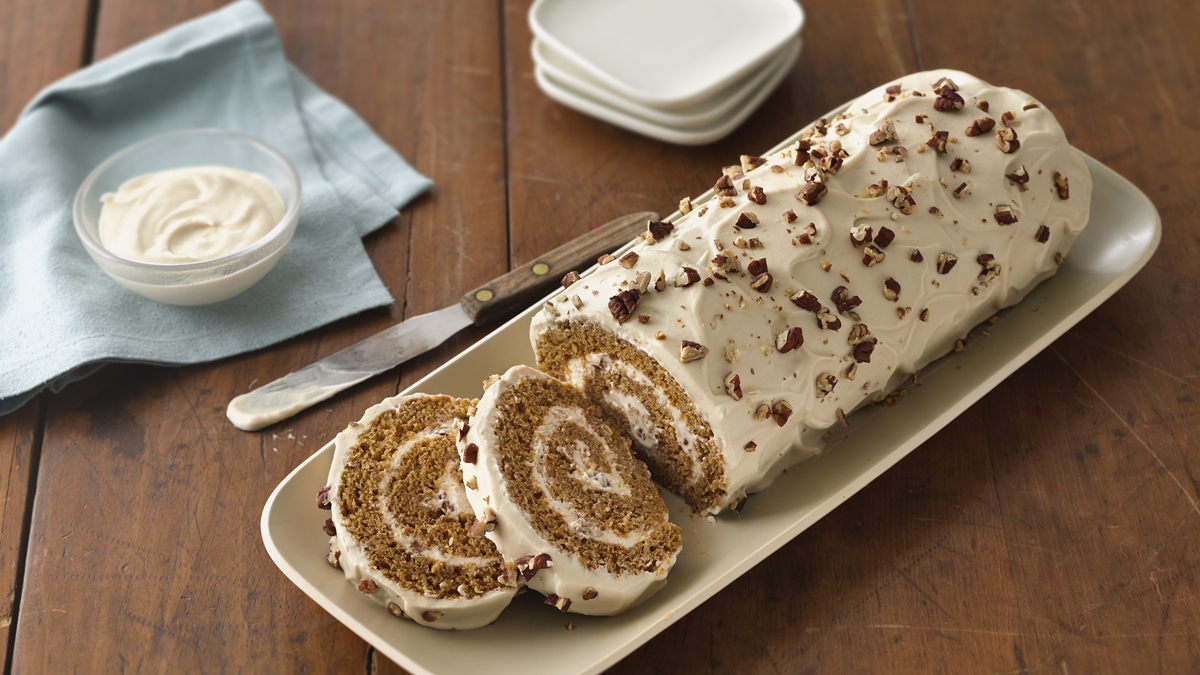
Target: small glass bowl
207	281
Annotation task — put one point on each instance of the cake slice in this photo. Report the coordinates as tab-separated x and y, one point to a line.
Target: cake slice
816	279
554	484
401	520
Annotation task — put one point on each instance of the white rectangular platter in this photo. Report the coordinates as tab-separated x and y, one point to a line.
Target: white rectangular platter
530	637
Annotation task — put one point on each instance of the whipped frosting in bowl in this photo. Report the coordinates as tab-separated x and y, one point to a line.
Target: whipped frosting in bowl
189	214
199	255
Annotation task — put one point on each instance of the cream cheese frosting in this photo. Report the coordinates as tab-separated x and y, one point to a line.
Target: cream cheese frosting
562	577
977	195
466	611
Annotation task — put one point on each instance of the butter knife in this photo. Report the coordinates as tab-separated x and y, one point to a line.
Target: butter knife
387	349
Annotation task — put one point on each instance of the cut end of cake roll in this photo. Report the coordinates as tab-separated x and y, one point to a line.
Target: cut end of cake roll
817	278
554	484
401	519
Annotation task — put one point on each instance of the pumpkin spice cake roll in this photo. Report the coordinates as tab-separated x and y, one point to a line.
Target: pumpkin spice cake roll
401	520
817	278
554	484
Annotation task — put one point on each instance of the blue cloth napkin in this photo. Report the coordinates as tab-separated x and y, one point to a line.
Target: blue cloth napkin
61	317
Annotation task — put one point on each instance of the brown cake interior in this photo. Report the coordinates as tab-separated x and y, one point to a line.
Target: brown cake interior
522	409
670	463
414	492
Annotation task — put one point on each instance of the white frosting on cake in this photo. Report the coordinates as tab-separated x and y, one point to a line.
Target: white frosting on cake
566	576
739	325
448	613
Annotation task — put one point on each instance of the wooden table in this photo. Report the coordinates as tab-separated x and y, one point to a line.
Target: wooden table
1047	529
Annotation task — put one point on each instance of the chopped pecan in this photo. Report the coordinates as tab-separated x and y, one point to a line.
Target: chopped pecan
1006	117
733	386
789	216
863	351
825	384
960	164
872	255
328	527
746	221
642	281
323	499
1020	176
901	198
884	238
981	126
685	205
1043	234
858	333
812	193
948	100
1007	140
991	268
860	234
1058	258
751	446
724	187
961	190
621	305
659	281
750	162
886	132
792	338
781	410
628	260
925	314
657	229
486	522
916	256
367	586
848	304
686	277
806	300
563	604
691	351
830	165
590	594
891	289
757	195
938	141
1005	215
395	610
875	190
757	267
571	278
1061	184
762	412
946	262
800	152
827	321
470	453
762	283
605	259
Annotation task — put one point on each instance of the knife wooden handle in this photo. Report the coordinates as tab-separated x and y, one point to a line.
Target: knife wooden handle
515	290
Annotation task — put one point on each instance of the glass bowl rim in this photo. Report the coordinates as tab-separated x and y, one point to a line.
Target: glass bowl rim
290	216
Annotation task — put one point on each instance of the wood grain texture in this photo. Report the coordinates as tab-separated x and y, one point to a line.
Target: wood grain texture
40	41
1050	528
166	547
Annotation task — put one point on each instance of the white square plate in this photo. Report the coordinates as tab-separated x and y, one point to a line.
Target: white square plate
530	637
708	133
666	53
699	114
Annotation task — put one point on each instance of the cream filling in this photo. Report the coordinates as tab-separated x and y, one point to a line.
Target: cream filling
639	416
585	472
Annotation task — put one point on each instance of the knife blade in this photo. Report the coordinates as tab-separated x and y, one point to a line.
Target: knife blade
387	349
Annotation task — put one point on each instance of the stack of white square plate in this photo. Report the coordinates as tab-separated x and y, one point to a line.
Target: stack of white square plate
681	71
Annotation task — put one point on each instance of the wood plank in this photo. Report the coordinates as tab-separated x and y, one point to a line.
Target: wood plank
166	549
40	41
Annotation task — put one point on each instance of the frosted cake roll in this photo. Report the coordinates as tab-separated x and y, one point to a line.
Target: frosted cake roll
817	278
400	527
554	484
